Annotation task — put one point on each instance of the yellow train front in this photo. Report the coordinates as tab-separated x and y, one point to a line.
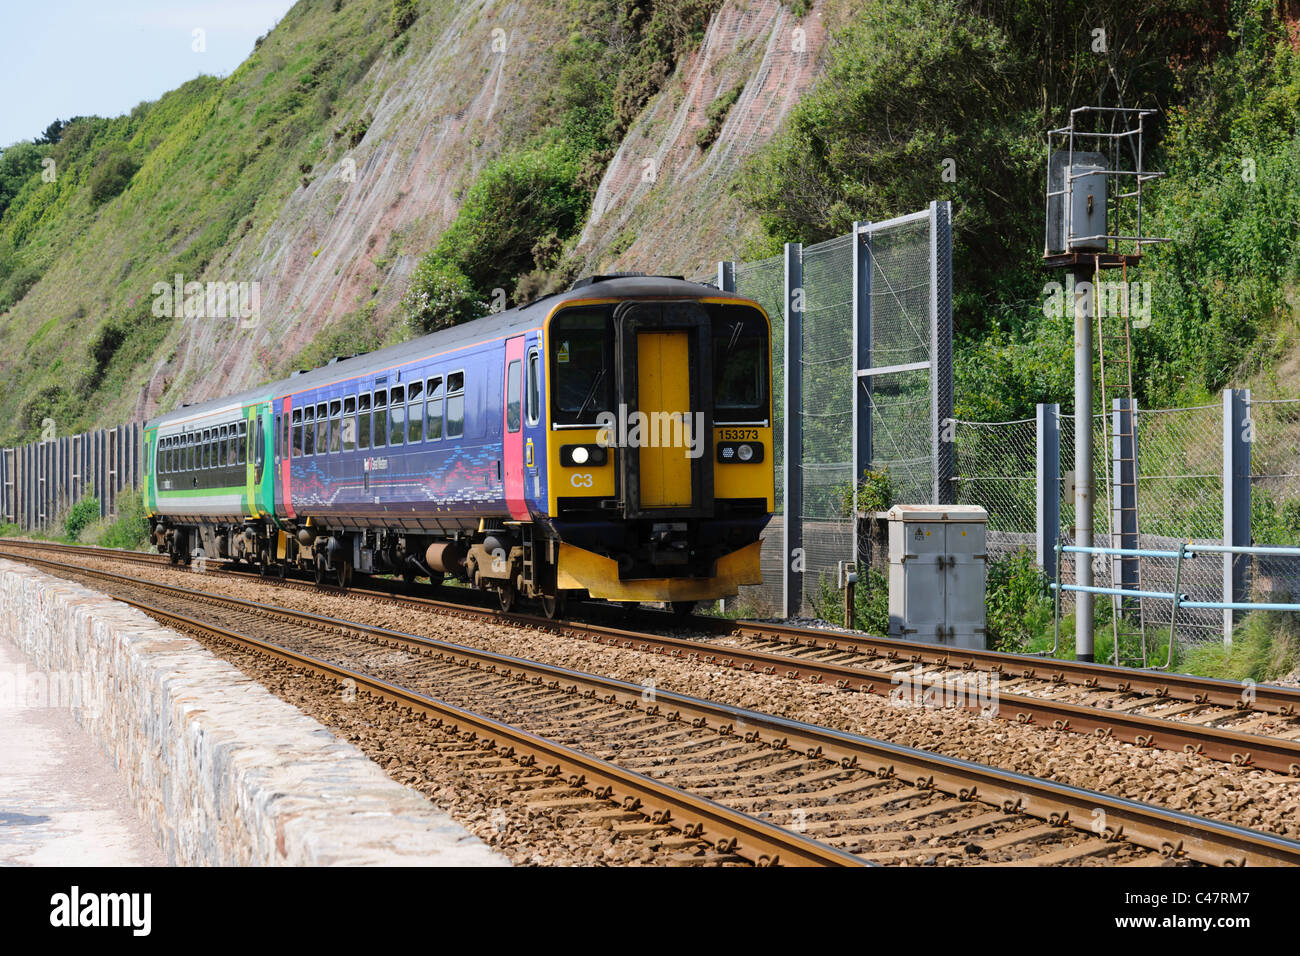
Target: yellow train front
659	466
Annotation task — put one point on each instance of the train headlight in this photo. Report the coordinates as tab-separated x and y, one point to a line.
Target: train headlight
746	453
583	456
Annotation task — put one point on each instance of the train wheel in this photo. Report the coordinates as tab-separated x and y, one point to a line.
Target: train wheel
683	608
175	557
264	564
344	574
506	596
321	570
553	606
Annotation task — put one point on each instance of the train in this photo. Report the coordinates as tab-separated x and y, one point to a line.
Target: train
612	442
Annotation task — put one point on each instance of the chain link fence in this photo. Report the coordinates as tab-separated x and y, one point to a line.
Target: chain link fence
1274	438
997	469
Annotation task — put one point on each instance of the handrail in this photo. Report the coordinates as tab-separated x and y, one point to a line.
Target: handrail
1176	598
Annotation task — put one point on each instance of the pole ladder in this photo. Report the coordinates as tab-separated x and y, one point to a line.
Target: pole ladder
1115	366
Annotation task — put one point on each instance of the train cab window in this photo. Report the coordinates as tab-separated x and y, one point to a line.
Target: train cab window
455	404
309	431
348	428
534	387
363	421
379	434
740	344
296	446
397	415
322	430
433	409
582	385
414	412
513	417
336	423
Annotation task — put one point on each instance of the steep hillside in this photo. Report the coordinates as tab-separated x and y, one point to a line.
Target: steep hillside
339	153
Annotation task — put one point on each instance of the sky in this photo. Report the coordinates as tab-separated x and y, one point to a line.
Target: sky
65	58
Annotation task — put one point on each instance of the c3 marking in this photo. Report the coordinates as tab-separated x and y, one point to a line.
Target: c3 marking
583	480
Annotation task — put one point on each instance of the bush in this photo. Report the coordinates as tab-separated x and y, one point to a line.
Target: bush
79	516
1018	607
130	528
111	175
404	14
439	296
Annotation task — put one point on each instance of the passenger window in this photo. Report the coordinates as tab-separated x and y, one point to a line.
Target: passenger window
296	447
512	396
363	422
455	404
322	430
349	436
414	412
396	416
336	420
309	431
534	388
433	409
223	447
243	443
207	448
379	434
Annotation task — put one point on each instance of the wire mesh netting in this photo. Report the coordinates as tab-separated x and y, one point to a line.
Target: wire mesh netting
997	470
1273	436
1180	499
901	402
826	408
764	282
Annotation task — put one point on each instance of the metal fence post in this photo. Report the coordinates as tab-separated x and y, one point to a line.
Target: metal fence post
726	276
942	437
792	526
1123	492
1047	493
862	452
1236	498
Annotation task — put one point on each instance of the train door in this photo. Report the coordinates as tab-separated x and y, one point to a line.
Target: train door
512	433
665	398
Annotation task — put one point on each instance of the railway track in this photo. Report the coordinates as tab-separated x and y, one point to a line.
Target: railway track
1246	725
751	785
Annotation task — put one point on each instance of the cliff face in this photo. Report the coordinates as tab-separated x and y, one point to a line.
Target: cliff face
345	155
663	204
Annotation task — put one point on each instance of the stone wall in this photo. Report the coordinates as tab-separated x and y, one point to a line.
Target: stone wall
222	771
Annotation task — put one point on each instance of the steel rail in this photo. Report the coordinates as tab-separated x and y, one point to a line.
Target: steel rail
1167	831
1230	746
729	830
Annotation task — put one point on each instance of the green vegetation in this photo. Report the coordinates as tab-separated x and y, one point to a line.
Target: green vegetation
166	189
79	516
915	89
717	115
520	217
128	529
1265	646
1019	606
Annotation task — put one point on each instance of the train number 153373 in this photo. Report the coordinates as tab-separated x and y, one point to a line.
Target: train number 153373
740	434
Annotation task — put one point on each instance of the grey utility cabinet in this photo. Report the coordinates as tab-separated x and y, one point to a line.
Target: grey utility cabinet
938	564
